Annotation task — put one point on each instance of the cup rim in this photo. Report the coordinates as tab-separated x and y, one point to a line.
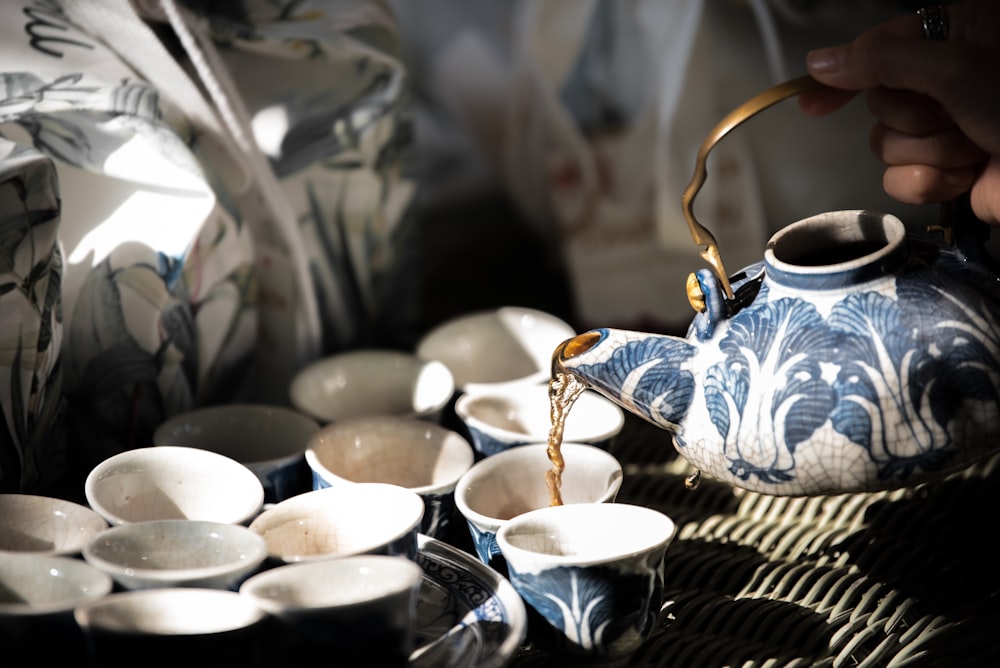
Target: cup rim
100	586
414	367
274	580
355	429
488	465
289	450
465	400
658	532
249	560
264	522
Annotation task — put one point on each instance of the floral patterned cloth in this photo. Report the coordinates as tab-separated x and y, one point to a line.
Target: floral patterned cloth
195	199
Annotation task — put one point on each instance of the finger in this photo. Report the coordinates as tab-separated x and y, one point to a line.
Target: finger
824	101
985	195
948	149
921	184
907	112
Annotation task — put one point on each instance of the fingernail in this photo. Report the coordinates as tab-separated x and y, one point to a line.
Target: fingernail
823	61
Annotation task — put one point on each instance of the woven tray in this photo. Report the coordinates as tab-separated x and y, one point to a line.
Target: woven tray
901	578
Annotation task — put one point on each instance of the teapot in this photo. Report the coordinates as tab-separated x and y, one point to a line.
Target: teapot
853	357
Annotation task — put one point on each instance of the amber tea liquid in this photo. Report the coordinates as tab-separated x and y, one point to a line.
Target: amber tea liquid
564	389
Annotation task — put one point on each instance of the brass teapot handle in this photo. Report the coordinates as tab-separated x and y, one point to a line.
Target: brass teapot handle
702	237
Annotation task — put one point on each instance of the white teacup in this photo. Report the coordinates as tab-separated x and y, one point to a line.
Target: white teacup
360	383
176	627
506	346
513	482
177	553
268	440
423	457
566	561
38	594
357	610
173	482
503	418
342	521
46	525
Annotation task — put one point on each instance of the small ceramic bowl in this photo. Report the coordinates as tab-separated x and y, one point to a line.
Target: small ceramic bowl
38	594
176	627
177	553
508	484
564	560
341	521
268	440
486	349
505	418
46	525
173	482
361	609
423	457
360	383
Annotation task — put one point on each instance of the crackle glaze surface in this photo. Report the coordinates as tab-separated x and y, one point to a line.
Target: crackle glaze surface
874	373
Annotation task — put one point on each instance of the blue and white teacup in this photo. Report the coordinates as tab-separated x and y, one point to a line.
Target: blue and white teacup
500	487
593	573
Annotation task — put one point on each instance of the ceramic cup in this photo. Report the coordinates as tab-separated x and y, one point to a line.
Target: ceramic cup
46	525
38	594
511	345
176	627
500	487
173	482
423	457
360	383
177	553
342	521
504	418
269	440
359	611
592	573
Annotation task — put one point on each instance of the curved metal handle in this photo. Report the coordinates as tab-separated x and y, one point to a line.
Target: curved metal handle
763	100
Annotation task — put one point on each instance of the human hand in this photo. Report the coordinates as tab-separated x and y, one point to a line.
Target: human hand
936	103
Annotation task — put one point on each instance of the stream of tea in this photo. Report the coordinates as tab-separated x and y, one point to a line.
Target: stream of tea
564	389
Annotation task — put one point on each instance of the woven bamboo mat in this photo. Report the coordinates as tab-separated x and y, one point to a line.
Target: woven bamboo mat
901	578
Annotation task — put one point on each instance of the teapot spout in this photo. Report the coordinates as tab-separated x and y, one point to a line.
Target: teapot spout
647	374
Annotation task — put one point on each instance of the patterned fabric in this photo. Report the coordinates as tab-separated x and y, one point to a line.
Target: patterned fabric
226	183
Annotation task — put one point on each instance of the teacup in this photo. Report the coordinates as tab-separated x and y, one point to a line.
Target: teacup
359	611
176	627
361	383
177	553
342	521
513	482
173	482
510	345
503	418
46	525
38	594
268	440
592	573
423	457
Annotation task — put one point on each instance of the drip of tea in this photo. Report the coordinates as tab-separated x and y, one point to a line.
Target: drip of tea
564	389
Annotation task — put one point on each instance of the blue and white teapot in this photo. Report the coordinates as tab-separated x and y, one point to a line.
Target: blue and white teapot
853	357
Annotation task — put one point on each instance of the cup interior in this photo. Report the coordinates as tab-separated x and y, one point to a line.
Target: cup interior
415	454
341	521
173	482
523	414
46	525
362	383
32	584
512	482
506	345
170	612
581	534
248	433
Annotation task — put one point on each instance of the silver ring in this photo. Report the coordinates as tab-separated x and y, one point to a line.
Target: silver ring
934	21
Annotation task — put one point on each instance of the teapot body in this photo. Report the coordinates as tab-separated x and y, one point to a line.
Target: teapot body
851	358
